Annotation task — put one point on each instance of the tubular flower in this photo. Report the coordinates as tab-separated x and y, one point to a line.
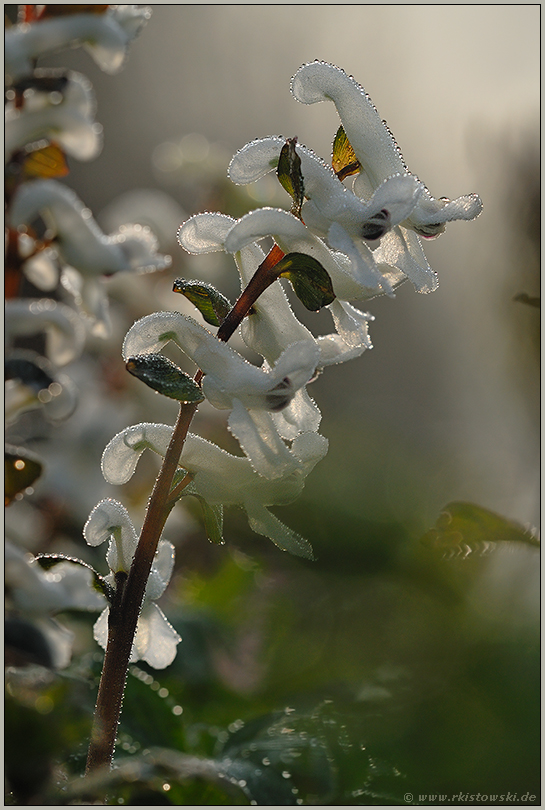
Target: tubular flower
85	251
105	36
34	597
156	640
252	394
220	478
272	325
374	145
64	115
367	269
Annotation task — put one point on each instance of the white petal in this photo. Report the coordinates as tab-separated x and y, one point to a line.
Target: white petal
301	415
109	520
65	334
42	270
258	436
204	233
122	453
105	36
156	640
264	522
364	270
351	324
100	629
292	236
68	121
161	570
255	159
401	251
371	141
429	216
81	243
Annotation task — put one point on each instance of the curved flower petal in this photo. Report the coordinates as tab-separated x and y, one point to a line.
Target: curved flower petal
156	640
34	591
80	242
373	143
161	570
204	233
292	236
352	324
109	520
122	453
271	326
105	36
257	434
302	415
218	476
400	251
65	334
65	116
228	375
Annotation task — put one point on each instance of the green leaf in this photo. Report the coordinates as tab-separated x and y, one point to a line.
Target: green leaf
289	175
343	157
21	469
212	305
308	278
47	561
212	516
524	298
463	528
165	377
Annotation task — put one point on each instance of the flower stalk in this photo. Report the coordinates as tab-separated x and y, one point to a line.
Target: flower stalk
129	594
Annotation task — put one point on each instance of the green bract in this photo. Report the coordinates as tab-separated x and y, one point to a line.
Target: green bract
212	305
165	377
310	281
290	175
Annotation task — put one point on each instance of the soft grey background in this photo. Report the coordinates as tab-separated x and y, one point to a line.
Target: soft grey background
446	404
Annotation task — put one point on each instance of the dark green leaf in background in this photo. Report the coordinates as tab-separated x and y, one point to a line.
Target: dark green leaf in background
463	528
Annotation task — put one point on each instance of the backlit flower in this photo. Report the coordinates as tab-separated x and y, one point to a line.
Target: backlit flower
155	640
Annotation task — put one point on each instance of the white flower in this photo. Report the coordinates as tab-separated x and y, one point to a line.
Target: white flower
357	271
83	247
65	116
65	334
221	478
272	326
36	595
105	36
252	394
155	640
374	145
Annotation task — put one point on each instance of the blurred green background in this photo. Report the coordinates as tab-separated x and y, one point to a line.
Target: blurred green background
389	666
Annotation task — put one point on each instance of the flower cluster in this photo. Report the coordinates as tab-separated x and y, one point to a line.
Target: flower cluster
53	242
336	246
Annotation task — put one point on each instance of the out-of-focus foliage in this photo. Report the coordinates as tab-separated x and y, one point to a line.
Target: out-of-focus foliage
389	666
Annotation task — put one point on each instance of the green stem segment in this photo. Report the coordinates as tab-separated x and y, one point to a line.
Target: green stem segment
129	595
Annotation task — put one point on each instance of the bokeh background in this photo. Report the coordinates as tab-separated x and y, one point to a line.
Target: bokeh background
430	657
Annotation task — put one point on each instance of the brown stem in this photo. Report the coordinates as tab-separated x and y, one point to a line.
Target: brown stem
123	614
261	279
125	609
